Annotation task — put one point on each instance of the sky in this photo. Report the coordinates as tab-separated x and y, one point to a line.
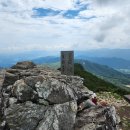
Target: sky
27	25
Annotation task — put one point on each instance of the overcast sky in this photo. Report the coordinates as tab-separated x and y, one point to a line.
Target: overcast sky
64	24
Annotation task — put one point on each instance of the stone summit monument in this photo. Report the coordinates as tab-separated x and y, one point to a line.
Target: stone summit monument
67	62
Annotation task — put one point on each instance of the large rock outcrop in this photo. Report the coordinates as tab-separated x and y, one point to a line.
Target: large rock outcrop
24	65
40	98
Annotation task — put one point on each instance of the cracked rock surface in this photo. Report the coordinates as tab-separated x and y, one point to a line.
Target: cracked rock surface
40	98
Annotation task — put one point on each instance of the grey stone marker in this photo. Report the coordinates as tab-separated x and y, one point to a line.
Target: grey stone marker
67	62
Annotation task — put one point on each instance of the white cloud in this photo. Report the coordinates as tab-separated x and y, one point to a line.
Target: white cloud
20	31
23	5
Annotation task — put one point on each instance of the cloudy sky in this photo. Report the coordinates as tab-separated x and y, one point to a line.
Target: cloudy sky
64	24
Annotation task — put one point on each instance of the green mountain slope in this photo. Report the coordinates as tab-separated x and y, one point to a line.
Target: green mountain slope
96	84
106	73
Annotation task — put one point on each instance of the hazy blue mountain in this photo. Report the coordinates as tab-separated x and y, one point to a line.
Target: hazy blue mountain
48	59
8	59
114	58
117	53
116	63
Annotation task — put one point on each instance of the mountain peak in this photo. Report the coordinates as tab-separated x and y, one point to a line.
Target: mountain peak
41	98
38	98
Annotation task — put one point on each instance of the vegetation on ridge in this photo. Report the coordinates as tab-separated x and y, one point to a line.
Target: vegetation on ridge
96	84
106	73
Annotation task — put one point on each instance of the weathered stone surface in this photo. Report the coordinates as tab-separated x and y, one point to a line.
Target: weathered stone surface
12	101
59	117
4	102
97	118
2	125
43	102
29	116
55	98
54	91
24	65
9	79
8	89
23	92
25	116
32	80
76	84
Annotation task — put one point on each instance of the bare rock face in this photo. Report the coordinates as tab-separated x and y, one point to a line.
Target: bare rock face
40	98
24	116
59	117
9	79
32	80
23	92
99	118
24	65
54	91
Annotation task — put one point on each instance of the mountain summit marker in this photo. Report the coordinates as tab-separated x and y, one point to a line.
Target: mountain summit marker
67	62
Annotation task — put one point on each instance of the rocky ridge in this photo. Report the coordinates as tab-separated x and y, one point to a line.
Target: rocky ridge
113	99
40	98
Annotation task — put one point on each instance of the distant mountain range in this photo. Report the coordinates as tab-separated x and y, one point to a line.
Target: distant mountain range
105	72
107	53
8	60
117	53
116	63
115	58
96	65
47	60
